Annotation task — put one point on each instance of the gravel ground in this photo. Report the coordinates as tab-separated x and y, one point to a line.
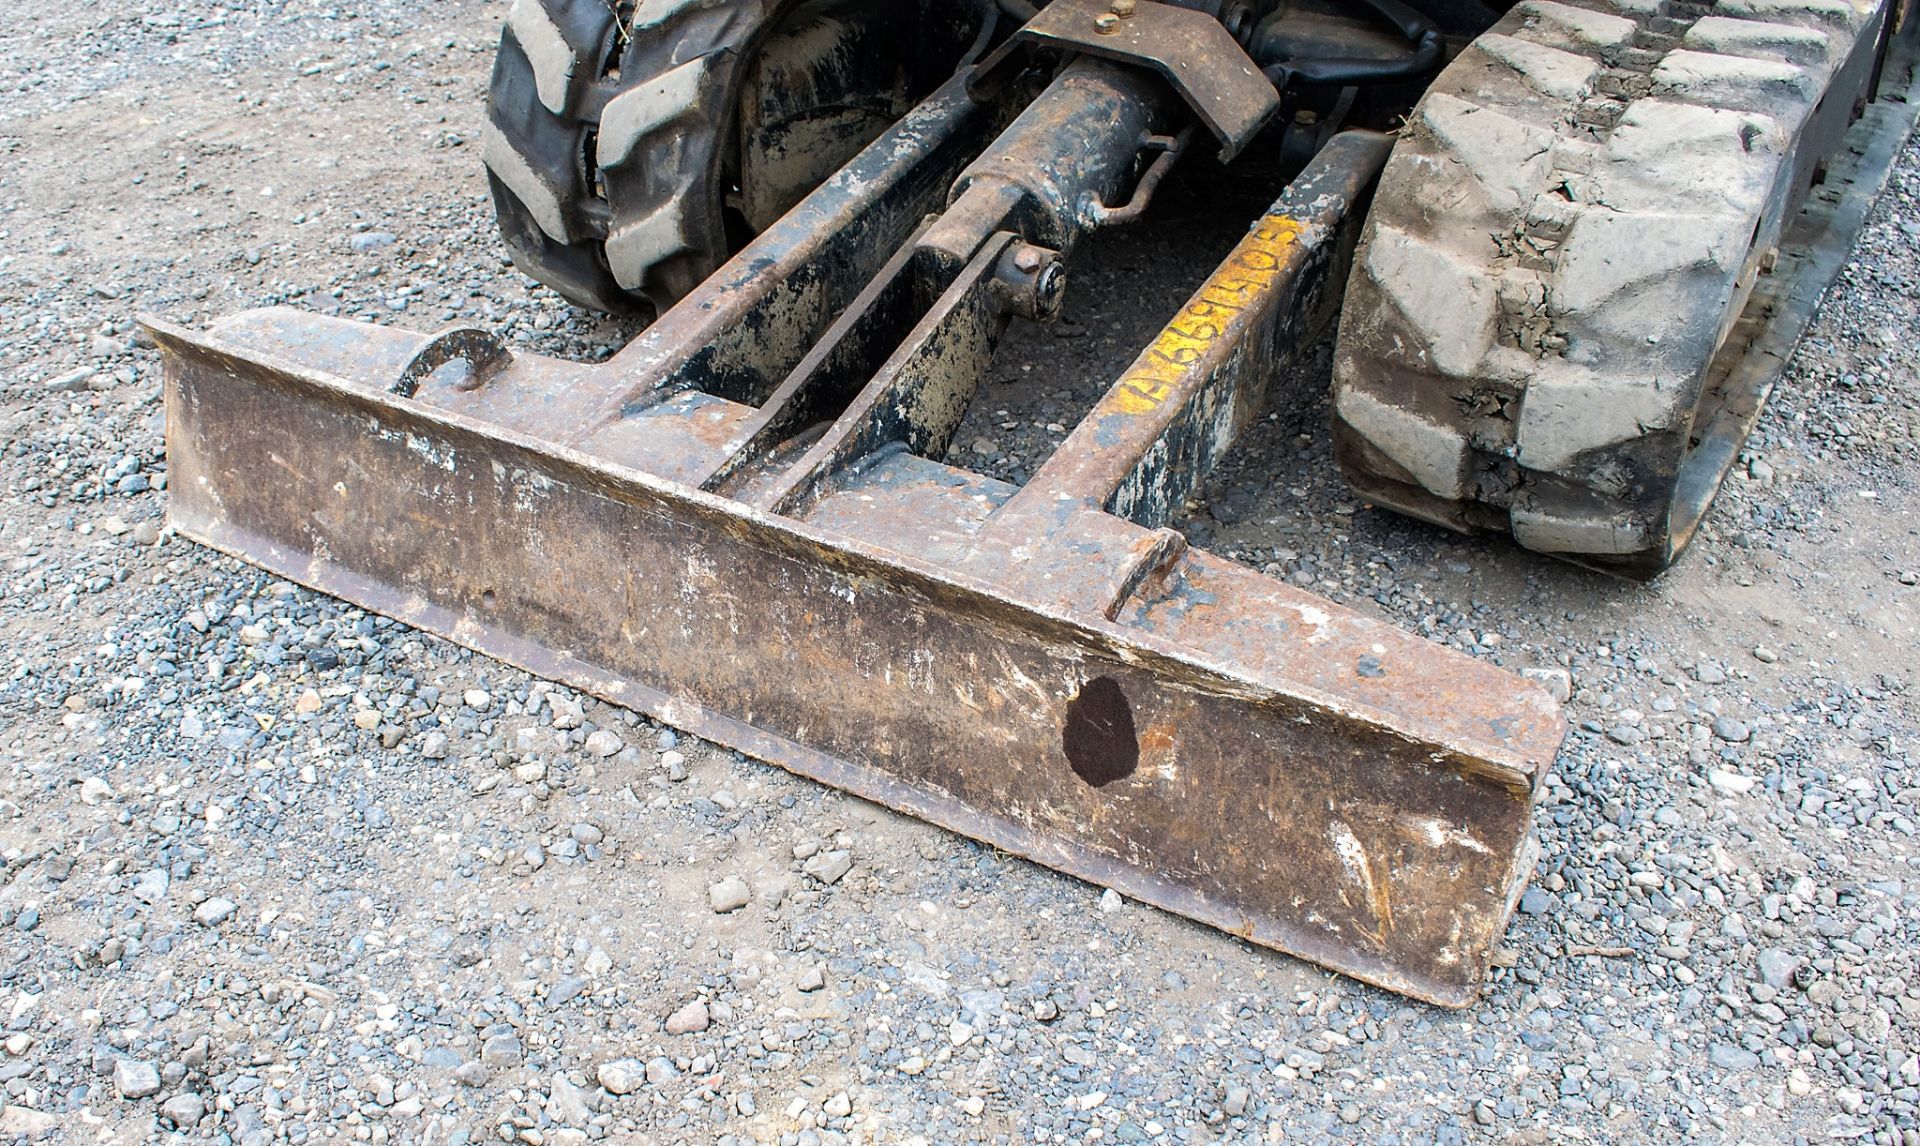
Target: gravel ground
279	870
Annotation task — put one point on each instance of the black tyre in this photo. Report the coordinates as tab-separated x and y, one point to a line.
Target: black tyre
607	126
614	140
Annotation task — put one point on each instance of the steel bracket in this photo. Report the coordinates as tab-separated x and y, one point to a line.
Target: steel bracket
1190	49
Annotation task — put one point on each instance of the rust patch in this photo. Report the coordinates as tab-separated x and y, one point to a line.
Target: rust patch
1156	741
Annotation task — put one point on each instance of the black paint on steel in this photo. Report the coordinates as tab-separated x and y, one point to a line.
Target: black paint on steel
1099	738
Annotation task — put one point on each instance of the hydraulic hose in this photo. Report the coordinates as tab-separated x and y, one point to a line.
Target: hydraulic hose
1357	71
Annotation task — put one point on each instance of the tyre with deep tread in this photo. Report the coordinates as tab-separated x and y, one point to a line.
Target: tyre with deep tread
1569	224
605	138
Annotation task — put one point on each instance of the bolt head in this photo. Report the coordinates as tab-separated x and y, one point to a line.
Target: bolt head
1051	291
1123	8
1027	260
1106	23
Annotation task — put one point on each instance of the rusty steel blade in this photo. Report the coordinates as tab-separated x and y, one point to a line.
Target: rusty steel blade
1046	668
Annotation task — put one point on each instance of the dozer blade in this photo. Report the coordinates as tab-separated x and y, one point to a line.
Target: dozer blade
1033	667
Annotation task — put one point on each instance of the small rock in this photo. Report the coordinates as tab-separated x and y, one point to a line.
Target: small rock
1730	730
566	991
567	714
24	1120
151	886
93	790
72	380
183	1110
567	1103
1557	681
470	1073
434	747
1777	968
622	1075
660	1070
690	1019
368	241
603	743
135	1078
1536	901
214	911
730	894
1765	656
1730	783
1732	1058
501	1051
584	833
477	699
810	979
839	1106
1111	902
828	867
1237	1099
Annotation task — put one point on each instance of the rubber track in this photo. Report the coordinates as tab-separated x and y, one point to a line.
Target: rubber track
603	143
1565	231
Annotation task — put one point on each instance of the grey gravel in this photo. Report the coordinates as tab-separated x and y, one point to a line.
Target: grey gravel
445	914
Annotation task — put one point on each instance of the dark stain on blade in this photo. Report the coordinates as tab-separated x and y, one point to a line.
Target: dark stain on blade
1099	736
